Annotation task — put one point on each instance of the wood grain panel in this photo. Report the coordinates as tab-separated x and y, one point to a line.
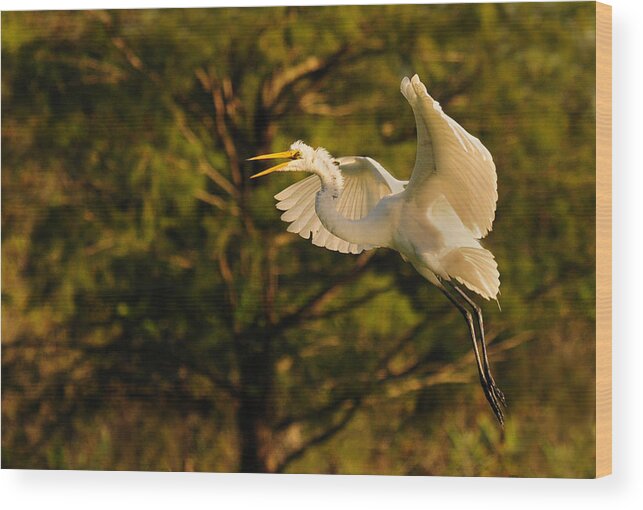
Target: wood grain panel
603	239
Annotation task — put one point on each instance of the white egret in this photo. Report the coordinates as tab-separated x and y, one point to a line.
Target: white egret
435	220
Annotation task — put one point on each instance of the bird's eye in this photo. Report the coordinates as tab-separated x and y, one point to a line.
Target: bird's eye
336	163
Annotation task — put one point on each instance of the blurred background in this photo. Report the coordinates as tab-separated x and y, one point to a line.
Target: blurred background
157	316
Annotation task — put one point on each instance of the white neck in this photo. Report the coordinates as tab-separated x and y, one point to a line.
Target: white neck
361	232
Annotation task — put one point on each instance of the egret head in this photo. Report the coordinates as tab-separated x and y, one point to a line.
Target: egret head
302	158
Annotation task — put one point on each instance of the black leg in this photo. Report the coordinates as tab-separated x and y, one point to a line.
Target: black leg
485	360
487	385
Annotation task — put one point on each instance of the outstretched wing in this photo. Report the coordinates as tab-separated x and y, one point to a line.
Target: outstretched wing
365	183
450	162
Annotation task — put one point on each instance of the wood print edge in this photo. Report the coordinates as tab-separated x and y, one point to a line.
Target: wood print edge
603	239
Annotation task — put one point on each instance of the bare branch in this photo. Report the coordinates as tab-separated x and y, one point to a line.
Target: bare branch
179	115
126	50
459	371
228	278
401	342
274	90
210	84
335	404
275	87
314	414
348	306
320	437
232	103
205	167
208	198
217	177
317	301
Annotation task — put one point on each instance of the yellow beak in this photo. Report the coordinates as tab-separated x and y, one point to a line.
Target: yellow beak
291	154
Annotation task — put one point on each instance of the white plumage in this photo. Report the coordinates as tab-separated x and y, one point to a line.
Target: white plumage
452	194
366	182
435	220
451	162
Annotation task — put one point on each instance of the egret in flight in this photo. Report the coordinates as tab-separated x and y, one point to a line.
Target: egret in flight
435	220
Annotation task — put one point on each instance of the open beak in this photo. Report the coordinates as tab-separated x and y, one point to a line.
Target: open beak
291	154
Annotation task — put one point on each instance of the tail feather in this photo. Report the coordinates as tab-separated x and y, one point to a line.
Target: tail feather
475	268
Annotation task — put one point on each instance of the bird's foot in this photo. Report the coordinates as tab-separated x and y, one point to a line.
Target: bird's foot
496	399
500	396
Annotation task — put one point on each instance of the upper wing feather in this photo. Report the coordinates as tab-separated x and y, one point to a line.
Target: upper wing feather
365	183
451	162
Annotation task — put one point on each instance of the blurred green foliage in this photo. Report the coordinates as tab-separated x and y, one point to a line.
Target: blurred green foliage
157	316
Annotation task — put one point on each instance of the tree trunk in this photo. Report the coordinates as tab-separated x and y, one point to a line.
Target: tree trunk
254	415
250	421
